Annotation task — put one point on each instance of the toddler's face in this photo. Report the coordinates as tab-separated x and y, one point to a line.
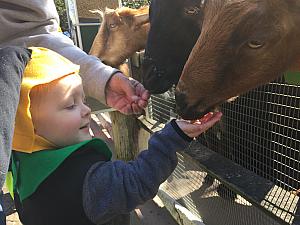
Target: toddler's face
62	117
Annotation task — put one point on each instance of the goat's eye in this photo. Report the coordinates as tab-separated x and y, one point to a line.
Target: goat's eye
255	44
112	26
192	11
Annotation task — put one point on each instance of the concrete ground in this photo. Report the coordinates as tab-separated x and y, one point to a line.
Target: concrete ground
152	213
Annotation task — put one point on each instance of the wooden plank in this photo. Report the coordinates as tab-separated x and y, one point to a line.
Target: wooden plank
97	106
181	214
150	125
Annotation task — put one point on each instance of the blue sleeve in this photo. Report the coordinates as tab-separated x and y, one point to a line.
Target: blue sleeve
116	187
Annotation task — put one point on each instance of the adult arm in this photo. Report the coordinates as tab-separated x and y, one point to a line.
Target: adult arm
12	63
35	23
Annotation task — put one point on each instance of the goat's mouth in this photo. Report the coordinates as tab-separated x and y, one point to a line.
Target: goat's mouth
195	111
155	79
192	113
155	84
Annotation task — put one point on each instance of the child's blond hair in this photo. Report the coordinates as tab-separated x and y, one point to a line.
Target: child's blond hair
39	92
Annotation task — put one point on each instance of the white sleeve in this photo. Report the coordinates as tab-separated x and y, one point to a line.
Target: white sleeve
29	23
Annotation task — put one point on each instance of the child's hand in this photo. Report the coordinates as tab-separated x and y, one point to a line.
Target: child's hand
195	128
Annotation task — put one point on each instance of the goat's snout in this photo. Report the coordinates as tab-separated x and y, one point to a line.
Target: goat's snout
186	111
181	104
153	79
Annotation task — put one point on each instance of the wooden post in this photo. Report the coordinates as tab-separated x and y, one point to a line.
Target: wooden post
125	132
125	135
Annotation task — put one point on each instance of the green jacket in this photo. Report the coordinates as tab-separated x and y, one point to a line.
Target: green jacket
30	170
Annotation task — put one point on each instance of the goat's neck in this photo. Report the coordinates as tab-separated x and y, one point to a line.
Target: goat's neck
98	46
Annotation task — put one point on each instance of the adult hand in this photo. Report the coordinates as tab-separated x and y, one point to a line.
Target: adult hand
126	95
195	128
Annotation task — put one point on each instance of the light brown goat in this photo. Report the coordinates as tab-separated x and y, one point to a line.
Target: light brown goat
123	31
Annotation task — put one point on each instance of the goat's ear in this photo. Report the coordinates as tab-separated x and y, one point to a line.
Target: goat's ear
98	11
141	19
109	10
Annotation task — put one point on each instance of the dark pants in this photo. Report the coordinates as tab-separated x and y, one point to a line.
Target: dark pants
2	215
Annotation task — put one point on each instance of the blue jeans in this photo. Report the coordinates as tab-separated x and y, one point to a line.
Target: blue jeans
2	215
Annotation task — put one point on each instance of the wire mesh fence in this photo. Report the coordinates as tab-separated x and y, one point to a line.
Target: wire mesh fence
259	131
210	199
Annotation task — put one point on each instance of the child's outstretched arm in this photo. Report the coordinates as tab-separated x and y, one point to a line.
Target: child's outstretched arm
113	188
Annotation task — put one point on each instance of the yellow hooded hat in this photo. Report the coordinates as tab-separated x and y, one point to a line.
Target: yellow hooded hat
45	66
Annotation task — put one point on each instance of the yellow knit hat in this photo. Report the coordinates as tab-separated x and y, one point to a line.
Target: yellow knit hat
45	66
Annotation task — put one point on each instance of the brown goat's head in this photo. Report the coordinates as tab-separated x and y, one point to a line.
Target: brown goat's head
123	31
243	44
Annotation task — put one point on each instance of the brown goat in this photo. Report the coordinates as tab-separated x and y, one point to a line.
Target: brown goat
123	31
243	44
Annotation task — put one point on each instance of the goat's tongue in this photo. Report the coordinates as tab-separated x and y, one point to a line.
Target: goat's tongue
204	118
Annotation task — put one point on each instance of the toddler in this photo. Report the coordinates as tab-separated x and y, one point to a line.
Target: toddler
64	176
